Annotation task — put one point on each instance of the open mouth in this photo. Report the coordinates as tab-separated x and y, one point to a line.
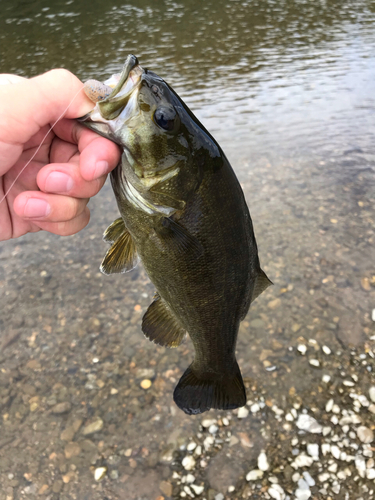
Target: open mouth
113	96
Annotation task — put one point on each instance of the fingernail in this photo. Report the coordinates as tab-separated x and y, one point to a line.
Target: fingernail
57	182
101	168
36	208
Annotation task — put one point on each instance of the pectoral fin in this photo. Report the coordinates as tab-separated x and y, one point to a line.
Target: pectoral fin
160	325
114	231
122	256
180	238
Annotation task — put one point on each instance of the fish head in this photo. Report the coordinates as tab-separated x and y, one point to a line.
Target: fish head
146	118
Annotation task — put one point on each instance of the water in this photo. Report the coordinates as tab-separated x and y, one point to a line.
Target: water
287	88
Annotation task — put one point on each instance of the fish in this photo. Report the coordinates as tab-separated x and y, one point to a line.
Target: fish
184	215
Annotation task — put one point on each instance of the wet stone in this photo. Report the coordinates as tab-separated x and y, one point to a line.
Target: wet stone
166	488
365	434
93	427
61	408
72	450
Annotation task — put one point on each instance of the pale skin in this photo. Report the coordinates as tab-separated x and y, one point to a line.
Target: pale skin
52	192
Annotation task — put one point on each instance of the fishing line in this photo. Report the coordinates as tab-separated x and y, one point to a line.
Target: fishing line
40	145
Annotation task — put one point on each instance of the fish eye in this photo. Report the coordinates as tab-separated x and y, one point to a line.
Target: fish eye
165	117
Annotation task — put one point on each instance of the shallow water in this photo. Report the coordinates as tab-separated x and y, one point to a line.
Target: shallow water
287	88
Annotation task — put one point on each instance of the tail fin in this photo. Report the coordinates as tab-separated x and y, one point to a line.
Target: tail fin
195	394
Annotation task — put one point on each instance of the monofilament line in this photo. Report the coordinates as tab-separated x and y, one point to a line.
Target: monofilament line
40	145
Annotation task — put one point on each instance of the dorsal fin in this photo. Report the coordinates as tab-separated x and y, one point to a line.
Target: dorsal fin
161	326
122	256
261	283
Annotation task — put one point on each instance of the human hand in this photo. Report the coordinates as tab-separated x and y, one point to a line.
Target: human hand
52	192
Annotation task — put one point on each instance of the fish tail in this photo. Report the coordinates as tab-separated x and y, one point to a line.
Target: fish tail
196	393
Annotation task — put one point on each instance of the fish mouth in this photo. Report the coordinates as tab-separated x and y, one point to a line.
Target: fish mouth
116	99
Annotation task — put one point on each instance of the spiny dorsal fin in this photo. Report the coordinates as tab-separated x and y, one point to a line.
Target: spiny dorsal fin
114	230
122	256
261	283
160	325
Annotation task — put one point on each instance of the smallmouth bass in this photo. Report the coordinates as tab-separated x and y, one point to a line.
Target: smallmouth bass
183	213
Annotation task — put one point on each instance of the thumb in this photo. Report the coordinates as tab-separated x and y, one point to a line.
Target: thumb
28	104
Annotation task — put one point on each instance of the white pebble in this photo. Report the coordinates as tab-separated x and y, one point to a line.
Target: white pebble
335	451
313	450
242	412
191	446
276	492
314	362
302	461
307	423
360	466
329	405
207	422
373	315
254	408
326	448
219	496
309	480
263	462
372	391
303	491
326	350
301	348
189	478
326	378
323	477
99	473
197	489
188	463
348	383
213	429
326	430
333	468
225	421
370	473
365	434
231	489
255	474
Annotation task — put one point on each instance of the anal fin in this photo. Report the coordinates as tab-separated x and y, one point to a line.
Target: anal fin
122	256
160	325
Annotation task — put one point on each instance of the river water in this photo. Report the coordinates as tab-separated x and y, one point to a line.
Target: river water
288	90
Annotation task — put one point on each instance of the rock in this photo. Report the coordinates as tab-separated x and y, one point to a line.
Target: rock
302	461
314	362
145	373
68	434
309	424
313	450
263	462
372	391
254	475
276	492
166	488
146	383
99	473
188	463
301	348
207	422
242	412
365	435
93	427
213	429
197	489
274	304
326	350
72	450
57	486
61	408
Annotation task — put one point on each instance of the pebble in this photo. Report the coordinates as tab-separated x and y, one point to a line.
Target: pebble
219	496
302	461
198	490
326	350
99	473
61	408
207	422
329	405
188	463
95	426
301	348
166	488
313	450
365	435
276	492
314	362
263	462
372	391
307	423
191	446
309	480
373	315
326	379
213	429
254	475
254	408
146	383
72	450
243	412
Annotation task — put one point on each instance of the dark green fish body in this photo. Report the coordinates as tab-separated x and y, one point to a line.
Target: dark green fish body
184	214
